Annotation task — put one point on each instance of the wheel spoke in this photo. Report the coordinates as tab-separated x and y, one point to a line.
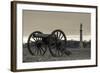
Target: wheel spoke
40	38
35	51
33	38
42	49
60	52
36	38
59	35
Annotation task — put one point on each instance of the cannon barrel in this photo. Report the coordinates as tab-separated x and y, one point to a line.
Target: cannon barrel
41	35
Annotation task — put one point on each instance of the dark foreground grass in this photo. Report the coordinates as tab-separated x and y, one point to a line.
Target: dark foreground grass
77	54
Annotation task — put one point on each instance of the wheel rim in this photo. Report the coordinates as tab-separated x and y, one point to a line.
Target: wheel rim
35	44
57	46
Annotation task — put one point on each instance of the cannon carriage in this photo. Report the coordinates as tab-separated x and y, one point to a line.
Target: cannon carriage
38	43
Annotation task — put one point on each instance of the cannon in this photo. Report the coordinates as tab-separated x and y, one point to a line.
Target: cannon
38	43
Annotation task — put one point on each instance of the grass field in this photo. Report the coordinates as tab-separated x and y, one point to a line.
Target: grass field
77	54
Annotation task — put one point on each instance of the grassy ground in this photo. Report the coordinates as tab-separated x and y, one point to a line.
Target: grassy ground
77	54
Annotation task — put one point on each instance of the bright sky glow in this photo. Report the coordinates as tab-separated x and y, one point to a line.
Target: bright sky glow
73	37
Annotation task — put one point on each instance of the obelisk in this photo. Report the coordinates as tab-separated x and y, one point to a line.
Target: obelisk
81	37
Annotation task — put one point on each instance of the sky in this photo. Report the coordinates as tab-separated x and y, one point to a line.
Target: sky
46	22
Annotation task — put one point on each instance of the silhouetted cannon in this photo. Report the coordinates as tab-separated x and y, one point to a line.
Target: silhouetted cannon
38	43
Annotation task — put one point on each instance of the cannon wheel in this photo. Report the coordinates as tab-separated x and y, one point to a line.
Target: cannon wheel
57	44
35	46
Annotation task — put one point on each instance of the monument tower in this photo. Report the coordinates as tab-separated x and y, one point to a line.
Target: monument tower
81	36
